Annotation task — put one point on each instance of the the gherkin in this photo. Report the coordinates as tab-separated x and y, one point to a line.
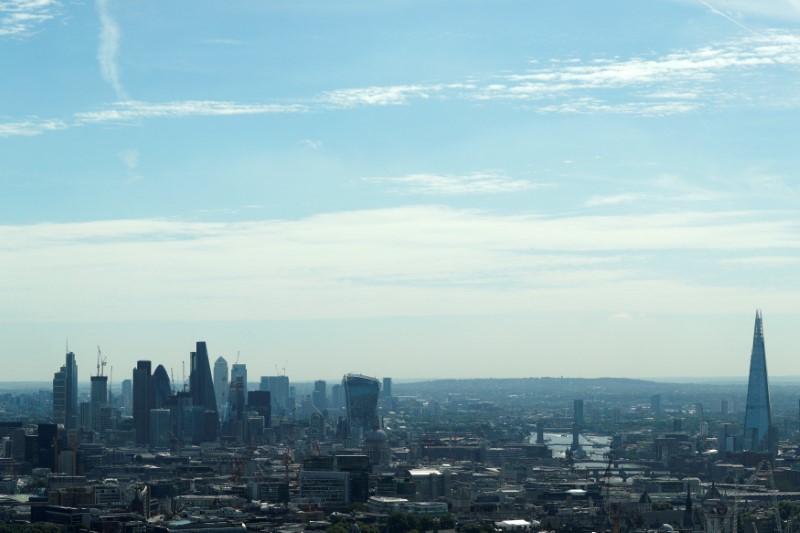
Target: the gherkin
160	388
758	417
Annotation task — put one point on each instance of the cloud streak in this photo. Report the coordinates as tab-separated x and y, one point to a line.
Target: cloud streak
778	9
131	110
724	15
30	128
453	184
679	82
378	96
108	47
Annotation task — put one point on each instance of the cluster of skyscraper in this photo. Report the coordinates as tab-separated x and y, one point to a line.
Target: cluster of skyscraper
210	408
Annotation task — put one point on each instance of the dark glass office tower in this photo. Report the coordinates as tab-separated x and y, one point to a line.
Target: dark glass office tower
259	401
361	400
758	417
142	398
201	386
65	393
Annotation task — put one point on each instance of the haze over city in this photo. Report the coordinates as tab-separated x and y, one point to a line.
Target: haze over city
413	189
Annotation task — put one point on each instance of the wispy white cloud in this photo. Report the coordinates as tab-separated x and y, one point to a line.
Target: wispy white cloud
777	9
30	128
762	261
135	110
587	105
663	195
684	80
109	47
380	96
129	158
699	64
657	85
224	42
311	143
615	199
131	110
20	18
456	184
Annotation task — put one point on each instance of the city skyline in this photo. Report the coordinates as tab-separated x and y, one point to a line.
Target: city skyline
405	189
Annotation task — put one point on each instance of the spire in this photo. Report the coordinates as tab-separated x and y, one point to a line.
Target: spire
688	519
759	328
758	417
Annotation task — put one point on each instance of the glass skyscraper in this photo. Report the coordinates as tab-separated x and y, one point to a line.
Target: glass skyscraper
201	387
65	393
221	386
361	400
142	398
758	417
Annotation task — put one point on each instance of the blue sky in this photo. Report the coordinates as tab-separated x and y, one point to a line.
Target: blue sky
406	188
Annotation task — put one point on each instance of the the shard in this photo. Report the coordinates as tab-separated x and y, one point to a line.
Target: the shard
758	417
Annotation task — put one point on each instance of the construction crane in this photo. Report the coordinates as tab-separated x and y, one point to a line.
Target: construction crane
172	380
612	508
101	362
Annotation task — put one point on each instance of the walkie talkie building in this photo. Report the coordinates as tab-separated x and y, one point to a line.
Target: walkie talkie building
361	400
